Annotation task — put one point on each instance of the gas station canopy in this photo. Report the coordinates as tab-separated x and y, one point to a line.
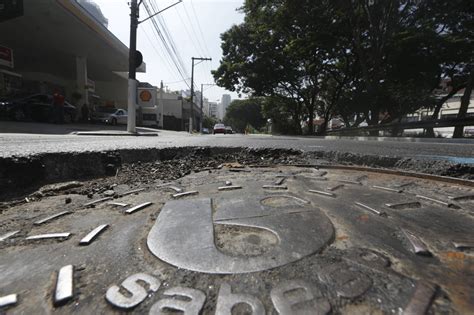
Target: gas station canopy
50	35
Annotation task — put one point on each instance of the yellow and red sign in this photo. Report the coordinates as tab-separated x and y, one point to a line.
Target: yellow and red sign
145	96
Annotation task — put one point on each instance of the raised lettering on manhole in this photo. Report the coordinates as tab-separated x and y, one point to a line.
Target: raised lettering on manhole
301	231
310	301
193	306
226	300
136	292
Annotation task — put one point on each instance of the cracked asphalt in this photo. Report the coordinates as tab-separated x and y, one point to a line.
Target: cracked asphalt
30	140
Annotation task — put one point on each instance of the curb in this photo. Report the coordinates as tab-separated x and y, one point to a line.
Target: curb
116	134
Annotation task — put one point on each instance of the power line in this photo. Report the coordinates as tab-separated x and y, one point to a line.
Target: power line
165	39
192	28
202	36
164	60
176	82
191	38
168	36
199	28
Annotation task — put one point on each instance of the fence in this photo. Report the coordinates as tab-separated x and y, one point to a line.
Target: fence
399	127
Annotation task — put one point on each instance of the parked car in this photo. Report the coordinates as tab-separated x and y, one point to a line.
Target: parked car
219	128
38	107
228	129
205	131
110	115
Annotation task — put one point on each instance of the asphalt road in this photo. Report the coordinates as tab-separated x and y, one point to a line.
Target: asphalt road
30	140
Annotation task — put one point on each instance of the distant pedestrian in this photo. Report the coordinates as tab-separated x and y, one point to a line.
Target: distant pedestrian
58	106
85	113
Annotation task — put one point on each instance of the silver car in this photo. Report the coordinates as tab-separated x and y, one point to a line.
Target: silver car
111	116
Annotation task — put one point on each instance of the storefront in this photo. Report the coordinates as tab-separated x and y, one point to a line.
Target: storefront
58	44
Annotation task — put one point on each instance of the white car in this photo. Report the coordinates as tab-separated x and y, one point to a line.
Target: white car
111	116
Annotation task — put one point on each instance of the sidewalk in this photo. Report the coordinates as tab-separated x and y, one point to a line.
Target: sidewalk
73	129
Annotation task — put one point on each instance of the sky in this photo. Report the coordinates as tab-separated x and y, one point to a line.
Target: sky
193	25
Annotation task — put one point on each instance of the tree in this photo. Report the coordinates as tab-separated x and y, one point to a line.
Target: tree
269	55
209	122
453	21
241	113
285	115
370	59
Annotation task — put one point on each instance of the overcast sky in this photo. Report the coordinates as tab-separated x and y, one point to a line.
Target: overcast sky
194	26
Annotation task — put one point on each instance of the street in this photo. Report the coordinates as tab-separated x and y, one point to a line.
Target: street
15	141
262	193
267	229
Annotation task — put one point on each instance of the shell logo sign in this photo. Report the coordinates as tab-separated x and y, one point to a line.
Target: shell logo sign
145	96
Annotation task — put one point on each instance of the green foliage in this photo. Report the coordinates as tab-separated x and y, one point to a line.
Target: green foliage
242	113
346	57
209	122
283	114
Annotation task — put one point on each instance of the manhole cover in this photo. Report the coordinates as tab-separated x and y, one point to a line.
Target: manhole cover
263	241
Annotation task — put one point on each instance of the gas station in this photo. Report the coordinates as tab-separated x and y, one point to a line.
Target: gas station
65	48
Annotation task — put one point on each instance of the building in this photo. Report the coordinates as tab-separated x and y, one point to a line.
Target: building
59	44
225	102
213	110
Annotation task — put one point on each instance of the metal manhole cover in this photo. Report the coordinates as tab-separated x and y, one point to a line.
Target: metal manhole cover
314	242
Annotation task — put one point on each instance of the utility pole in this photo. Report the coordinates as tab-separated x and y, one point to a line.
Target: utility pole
192	88
162	107
200	120
132	68
202	116
134	61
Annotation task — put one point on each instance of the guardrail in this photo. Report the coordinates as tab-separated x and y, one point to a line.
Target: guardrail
439	123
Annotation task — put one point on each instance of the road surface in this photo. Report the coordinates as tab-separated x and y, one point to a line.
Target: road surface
25	144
